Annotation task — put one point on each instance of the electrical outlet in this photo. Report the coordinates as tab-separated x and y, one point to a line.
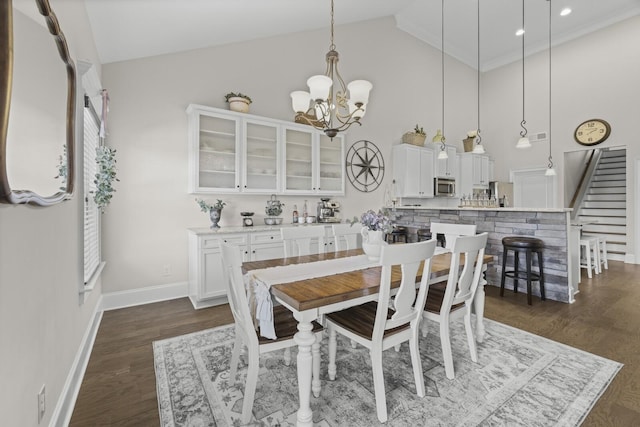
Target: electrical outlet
166	270
41	404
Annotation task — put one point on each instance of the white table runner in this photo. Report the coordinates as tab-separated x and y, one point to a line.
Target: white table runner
258	282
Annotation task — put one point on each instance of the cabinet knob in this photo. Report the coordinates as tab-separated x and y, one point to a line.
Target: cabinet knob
245	186
271	237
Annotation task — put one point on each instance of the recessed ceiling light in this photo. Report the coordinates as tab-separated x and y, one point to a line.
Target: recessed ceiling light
565	11
520	32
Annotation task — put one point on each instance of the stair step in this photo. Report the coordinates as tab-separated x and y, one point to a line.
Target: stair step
606	197
608	190
611	234
612	256
607	204
607	183
610	177
610	220
612	165
612	157
603	212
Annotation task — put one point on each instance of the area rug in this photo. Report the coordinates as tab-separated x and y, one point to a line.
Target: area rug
520	379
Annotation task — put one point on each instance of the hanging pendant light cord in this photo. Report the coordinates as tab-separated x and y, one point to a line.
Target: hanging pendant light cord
550	165
332	46
523	132
479	140
442	65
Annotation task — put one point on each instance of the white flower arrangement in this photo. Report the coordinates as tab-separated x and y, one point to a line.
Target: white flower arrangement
472	133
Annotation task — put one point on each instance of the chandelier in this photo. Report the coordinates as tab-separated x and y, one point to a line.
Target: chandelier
327	106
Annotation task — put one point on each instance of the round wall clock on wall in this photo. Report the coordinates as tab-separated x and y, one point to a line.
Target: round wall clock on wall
365	166
592	132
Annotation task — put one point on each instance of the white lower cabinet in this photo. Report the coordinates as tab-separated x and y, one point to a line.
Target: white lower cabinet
206	287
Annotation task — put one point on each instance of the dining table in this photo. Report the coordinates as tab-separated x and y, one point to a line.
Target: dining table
312	297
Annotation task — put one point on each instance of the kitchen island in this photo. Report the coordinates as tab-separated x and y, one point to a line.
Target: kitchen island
552	226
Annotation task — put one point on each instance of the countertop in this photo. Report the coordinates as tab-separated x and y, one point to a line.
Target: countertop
510	209
252	229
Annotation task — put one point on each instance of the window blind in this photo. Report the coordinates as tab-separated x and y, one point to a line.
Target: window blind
91	212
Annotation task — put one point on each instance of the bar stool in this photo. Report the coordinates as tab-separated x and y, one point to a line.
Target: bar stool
590	255
602	253
396	234
529	246
423	234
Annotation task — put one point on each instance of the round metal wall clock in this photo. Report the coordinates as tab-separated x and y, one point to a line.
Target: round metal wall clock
592	132
365	166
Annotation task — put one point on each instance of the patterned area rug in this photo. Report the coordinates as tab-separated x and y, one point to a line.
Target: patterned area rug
520	379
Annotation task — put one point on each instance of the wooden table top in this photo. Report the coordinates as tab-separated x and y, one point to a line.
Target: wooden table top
321	291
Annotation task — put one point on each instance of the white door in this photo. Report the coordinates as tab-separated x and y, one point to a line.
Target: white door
533	189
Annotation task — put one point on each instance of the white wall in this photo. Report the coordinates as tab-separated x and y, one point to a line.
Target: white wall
595	76
41	320
145	226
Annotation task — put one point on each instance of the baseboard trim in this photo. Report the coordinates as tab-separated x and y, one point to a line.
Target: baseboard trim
61	416
630	259
151	294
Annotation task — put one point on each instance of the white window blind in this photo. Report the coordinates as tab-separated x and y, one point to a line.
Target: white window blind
91	212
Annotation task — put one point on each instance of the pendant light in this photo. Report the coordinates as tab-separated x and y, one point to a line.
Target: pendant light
523	142
478	149
550	169
442	155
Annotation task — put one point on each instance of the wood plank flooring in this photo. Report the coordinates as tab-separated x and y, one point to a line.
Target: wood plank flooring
119	385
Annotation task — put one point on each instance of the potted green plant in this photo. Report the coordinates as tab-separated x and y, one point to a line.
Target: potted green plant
238	101
415	137
105	175
215	210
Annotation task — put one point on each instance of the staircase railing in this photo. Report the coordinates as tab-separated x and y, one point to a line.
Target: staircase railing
585	179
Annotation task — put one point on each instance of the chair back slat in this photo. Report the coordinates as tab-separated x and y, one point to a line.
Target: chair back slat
298	240
236	291
407	305
452	231
462	285
346	236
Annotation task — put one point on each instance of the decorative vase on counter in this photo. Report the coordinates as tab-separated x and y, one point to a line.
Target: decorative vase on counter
215	215
468	144
372	242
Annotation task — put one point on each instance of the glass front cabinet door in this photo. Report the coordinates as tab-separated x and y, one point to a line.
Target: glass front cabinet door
260	154
214	147
314	163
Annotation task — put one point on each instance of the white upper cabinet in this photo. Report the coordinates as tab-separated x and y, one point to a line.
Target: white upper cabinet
313	162
260	154
243	153
413	171
446	168
214	147
475	172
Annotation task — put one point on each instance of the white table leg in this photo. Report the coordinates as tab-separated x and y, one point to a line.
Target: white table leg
305	338
478	306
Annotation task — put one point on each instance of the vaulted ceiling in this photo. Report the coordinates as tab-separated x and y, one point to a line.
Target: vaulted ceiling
128	29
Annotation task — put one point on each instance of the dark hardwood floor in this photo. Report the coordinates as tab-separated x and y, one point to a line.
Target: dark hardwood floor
119	386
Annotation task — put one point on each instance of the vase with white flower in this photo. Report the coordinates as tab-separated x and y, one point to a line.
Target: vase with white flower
374	226
468	141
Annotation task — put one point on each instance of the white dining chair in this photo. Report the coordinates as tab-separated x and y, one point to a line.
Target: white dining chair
285	326
454	299
382	324
346	236
298	240
451	231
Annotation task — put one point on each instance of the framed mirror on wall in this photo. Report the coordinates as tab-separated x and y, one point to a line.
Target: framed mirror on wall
37	106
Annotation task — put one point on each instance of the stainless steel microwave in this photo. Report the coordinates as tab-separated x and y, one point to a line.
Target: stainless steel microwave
444	187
